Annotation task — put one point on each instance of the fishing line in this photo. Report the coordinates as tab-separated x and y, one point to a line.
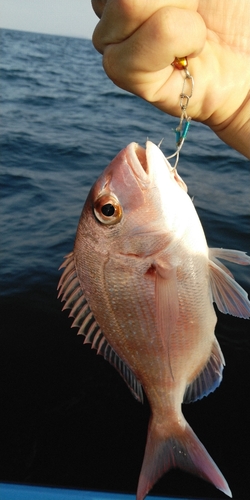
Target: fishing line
181	131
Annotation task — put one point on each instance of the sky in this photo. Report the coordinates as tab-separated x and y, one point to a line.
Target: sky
56	17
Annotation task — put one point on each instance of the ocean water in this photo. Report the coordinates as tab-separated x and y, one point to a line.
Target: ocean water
68	418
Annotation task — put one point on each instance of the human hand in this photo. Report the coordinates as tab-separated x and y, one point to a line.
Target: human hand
139	39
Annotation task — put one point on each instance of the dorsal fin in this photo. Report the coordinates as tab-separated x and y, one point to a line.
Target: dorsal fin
210	377
70	291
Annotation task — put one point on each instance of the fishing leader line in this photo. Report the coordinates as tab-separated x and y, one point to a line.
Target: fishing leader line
181	63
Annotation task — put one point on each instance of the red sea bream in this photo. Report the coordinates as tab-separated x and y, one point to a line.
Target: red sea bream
140	283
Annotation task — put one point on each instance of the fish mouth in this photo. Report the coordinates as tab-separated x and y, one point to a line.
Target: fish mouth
136	157
150	166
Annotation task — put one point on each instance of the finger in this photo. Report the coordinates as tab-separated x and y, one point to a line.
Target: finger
121	18
98	6
171	32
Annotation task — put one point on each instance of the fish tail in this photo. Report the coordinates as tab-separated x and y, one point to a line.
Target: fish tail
180	449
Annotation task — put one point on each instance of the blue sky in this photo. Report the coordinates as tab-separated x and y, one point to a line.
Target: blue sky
58	17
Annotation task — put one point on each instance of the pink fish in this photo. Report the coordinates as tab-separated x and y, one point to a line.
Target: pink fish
140	283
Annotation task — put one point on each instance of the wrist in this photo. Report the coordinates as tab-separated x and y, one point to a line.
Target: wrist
235	131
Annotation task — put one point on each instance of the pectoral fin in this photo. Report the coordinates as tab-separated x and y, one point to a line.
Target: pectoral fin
228	295
167	304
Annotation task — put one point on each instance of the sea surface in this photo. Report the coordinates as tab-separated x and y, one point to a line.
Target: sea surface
67	417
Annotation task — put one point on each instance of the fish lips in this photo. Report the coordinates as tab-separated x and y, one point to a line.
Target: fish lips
151	168
134	163
137	160
136	178
127	178
147	164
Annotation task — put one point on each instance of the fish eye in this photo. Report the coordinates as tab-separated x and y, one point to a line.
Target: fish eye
107	209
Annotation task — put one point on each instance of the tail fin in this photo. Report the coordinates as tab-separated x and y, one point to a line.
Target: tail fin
180	449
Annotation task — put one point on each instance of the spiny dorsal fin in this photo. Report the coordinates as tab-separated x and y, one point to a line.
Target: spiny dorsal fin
70	291
210	377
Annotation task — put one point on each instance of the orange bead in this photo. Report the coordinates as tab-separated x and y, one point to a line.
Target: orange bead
180	63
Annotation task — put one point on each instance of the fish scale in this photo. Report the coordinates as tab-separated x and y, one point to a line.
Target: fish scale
141	282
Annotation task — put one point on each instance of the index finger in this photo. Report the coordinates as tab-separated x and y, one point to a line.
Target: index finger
121	18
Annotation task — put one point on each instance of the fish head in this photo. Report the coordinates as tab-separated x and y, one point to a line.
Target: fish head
129	208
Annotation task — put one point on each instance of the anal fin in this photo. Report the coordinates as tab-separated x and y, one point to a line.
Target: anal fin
210	377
